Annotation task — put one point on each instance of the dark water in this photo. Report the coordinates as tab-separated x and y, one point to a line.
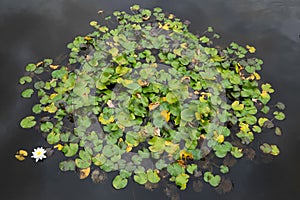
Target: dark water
35	29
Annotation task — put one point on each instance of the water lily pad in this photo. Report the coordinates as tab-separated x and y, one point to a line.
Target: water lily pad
181	180
224	169
140	178
280	105
67	165
175	169
27	93
191	168
25	79
236	105
236	152
84	173
28	122
30	67
213	180
278	131
279	115
80	163
53	138
152	176
119	182
70	150
37	108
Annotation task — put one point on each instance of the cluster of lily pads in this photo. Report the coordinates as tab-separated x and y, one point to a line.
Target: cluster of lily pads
151	100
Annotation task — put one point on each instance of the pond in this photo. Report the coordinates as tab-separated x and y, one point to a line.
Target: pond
38	29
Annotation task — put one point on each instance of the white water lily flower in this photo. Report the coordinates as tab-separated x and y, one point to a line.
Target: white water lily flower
38	154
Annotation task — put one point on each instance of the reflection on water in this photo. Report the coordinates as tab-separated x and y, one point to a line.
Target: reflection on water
33	30
284	15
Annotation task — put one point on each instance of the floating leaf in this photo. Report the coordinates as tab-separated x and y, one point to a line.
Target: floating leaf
236	152
140	178
119	182
213	180
251	49
25	79
175	169
70	150
152	176
224	169
99	159
278	131
181	180
67	165
84	173
28	122
275	150
30	67
187	115
21	155
171	98
93	23
82	163
53	138
266	148
256	129
280	106
270	149
50	108
27	93
267	88
191	168
152	106
135	7
279	115
166	115
114	51
237	106
37	108
157	144
261	121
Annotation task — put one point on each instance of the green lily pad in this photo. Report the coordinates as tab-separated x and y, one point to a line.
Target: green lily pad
82	164
53	138
236	105
30	67
152	176
27	93
25	79
191	168
70	150
213	180
224	169
37	108
140	178
181	180
175	169
279	115
236	152
119	182
28	122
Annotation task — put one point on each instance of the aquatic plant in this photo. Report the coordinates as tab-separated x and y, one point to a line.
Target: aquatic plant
151	100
